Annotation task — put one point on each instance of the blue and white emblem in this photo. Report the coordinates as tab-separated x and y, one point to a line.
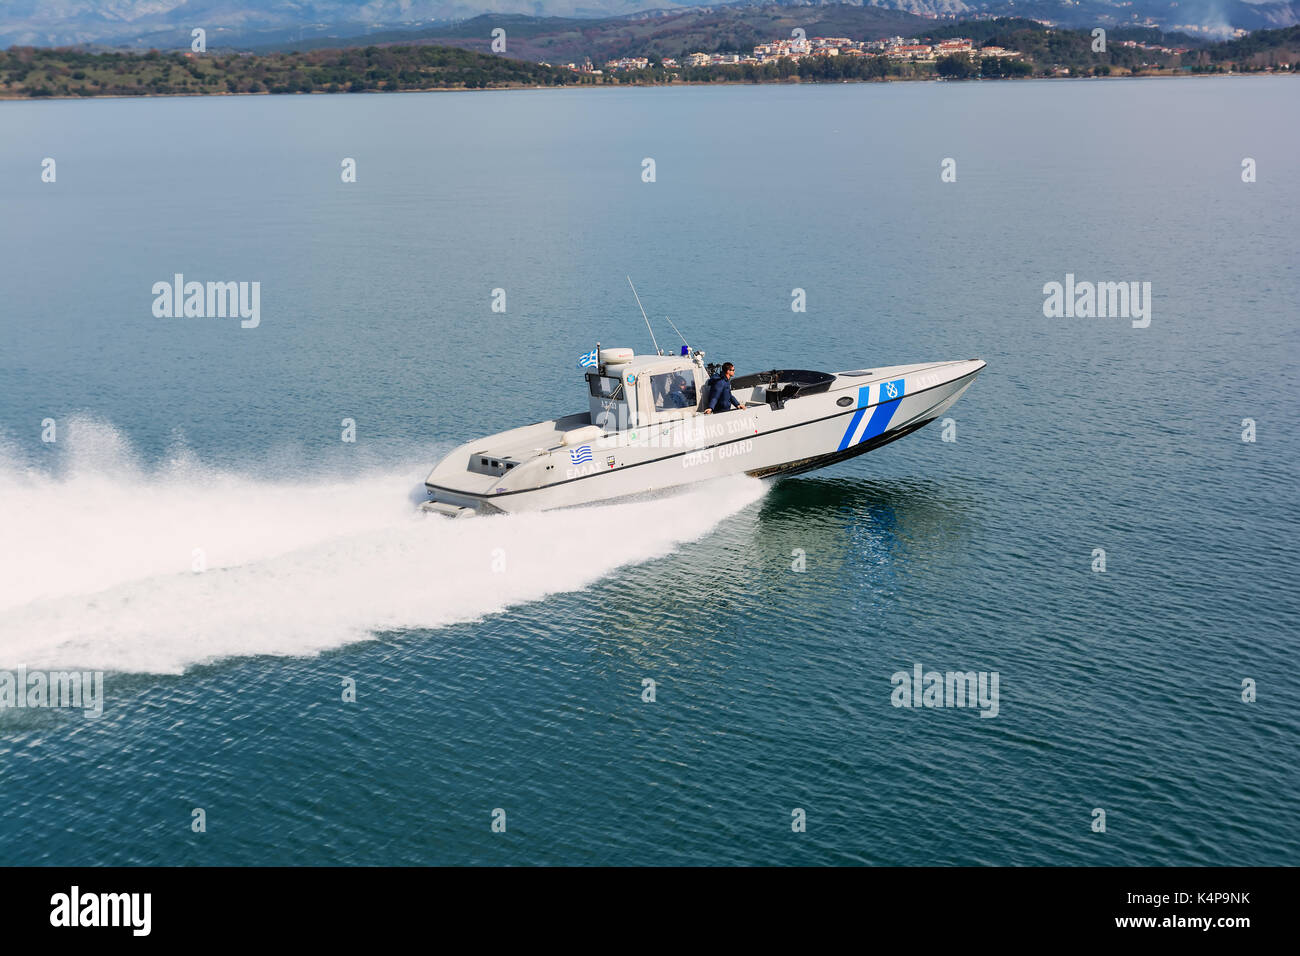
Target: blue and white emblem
580	455
881	413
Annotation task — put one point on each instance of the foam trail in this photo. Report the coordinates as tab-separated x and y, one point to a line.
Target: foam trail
98	573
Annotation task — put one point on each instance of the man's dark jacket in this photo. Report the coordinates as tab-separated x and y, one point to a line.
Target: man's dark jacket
720	397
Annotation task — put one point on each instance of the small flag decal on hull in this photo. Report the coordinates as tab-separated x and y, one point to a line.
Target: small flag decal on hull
580	455
886	403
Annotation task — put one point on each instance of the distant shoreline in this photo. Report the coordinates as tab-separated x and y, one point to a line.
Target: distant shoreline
514	87
1002	49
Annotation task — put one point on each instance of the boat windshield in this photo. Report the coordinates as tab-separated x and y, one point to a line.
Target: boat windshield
610	408
673	390
604	387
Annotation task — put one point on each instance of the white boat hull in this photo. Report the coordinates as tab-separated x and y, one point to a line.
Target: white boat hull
806	432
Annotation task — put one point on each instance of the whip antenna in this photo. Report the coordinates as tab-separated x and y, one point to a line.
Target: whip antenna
658	350
679	334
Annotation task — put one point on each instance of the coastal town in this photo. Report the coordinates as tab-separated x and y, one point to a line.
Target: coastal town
800	48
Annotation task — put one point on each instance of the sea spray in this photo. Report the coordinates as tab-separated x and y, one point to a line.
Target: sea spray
104	576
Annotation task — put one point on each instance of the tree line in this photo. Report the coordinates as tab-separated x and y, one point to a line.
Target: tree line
35	72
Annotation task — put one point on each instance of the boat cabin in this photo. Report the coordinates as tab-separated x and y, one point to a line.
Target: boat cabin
636	391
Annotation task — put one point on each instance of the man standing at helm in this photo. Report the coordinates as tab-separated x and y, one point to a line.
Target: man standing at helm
720	397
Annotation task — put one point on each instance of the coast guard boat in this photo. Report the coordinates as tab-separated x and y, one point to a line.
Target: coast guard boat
645	429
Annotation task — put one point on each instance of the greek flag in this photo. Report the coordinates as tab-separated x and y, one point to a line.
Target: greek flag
580	454
587	360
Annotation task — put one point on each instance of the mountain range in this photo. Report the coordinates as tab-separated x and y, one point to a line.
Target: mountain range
167	24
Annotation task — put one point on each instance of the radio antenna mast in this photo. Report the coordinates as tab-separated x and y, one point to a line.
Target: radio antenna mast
658	350
679	334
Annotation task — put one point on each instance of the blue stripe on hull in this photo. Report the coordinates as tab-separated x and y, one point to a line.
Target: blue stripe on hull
864	399
890	393
883	412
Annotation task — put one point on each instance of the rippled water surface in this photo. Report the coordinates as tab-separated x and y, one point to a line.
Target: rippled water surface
499	663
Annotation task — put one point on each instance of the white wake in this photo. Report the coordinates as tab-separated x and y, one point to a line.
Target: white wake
98	566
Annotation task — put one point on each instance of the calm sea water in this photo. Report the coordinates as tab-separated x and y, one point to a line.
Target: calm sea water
499	663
